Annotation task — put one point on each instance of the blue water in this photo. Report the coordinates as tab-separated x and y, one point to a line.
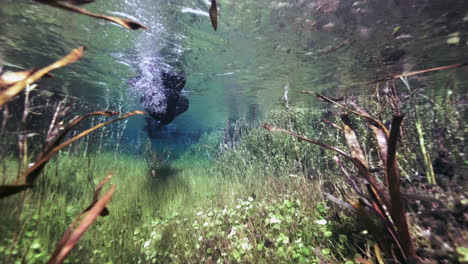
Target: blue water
241	70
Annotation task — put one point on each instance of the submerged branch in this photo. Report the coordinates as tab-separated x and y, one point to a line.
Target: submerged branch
418	72
126	23
11	91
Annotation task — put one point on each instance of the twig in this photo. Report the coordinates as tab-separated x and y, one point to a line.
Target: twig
338	201
418	72
11	91
6	116
121	21
52	123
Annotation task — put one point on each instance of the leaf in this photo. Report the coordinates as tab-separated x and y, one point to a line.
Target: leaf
214	14
387	223
351	180
378	195
10	78
15	89
363	261
336	99
375	189
80	2
374	229
70	237
382	144
31	174
397	211
352	141
9	189
365	218
378	254
126	23
381	134
100	185
332	124
105	211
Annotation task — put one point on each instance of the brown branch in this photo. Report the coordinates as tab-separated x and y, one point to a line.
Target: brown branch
418	72
126	23
28	178
31	174
275	129
7	93
52	123
9	189
332	124
356	112
10	78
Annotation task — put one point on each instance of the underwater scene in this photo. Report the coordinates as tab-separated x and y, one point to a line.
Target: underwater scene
234	131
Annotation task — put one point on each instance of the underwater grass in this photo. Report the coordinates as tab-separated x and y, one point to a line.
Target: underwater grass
182	188
254	198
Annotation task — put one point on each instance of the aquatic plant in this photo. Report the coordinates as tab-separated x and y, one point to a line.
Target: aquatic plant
260	200
288	227
380	199
422	145
10	86
384	199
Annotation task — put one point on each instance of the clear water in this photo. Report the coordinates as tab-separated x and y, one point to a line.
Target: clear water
242	70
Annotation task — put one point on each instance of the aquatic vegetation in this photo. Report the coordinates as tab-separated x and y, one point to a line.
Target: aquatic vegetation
278	229
241	194
382	204
51	213
26	180
380	199
198	209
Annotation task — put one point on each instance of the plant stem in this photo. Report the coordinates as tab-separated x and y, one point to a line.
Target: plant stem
422	145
